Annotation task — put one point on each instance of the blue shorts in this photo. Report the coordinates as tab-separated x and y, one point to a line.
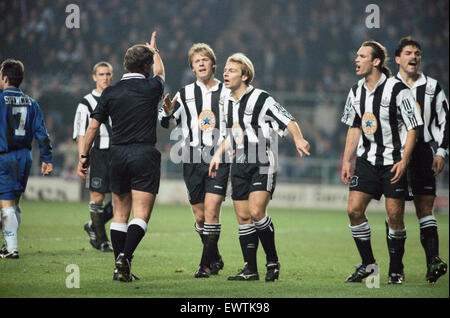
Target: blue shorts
15	169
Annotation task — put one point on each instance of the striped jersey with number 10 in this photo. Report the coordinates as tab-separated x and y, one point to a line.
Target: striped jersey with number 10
384	116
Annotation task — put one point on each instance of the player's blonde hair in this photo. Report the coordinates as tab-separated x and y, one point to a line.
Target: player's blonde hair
101	63
202	48
246	66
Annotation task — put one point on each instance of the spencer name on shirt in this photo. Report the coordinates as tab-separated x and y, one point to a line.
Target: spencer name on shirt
17	100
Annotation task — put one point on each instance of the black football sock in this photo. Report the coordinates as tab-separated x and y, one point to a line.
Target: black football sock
361	234
429	237
212	232
96	211
396	246
266	234
136	231
248	239
118	237
200	231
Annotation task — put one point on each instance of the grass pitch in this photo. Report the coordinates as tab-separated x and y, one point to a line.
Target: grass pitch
315	248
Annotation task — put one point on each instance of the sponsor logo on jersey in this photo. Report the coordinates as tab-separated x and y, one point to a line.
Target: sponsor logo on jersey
369	123
206	121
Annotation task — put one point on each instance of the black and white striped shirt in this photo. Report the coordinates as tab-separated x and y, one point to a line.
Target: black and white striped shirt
384	116
252	122
197	112
83	119
434	111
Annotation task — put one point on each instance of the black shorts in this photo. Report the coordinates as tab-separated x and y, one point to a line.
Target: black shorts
375	181
420	172
198	182
99	171
250	177
136	167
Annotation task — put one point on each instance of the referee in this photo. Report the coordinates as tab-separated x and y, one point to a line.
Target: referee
383	119
196	111
98	181
132	104
428	157
253	119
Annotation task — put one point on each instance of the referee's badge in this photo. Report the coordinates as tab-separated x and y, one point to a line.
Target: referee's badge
369	123
238	133
206	121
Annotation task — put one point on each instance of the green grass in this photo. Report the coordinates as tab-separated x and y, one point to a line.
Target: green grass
316	252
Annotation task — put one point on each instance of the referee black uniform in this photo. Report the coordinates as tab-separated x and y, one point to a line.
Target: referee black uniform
132	104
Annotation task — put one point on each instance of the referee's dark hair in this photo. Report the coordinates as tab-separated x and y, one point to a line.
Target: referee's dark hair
407	40
14	70
138	59
379	52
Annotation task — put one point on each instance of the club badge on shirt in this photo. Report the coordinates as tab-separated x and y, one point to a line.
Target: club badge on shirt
207	121
238	133
369	123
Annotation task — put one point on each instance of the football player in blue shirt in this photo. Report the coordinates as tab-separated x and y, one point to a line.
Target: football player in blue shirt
21	120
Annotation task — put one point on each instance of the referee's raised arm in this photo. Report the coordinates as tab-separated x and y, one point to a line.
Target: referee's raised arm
158	65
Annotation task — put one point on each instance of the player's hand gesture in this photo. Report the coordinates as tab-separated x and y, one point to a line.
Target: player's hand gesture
438	165
303	147
168	104
214	166
83	166
346	173
399	168
152	44
46	168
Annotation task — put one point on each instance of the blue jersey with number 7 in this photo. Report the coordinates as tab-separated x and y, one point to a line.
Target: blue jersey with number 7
21	119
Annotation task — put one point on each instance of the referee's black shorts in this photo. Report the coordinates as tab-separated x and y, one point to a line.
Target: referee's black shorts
135	166
420	172
250	177
375	180
198	182
99	171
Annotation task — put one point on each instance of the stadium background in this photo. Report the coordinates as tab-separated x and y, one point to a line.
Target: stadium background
302	50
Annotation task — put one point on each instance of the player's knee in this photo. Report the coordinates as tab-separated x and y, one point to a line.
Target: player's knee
355	214
257	214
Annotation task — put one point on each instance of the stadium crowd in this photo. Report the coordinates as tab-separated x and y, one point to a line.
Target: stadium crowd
301	47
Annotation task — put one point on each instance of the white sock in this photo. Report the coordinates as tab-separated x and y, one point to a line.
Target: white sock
10	227
18	214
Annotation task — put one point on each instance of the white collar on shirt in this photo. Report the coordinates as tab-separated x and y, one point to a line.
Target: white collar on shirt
95	93
420	81
212	89
132	75
380	81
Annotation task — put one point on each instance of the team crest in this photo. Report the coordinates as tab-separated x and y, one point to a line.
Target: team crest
238	133
369	123
429	90
207	121
353	181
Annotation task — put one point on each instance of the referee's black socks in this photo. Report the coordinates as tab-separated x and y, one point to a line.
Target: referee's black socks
118	237
136	231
